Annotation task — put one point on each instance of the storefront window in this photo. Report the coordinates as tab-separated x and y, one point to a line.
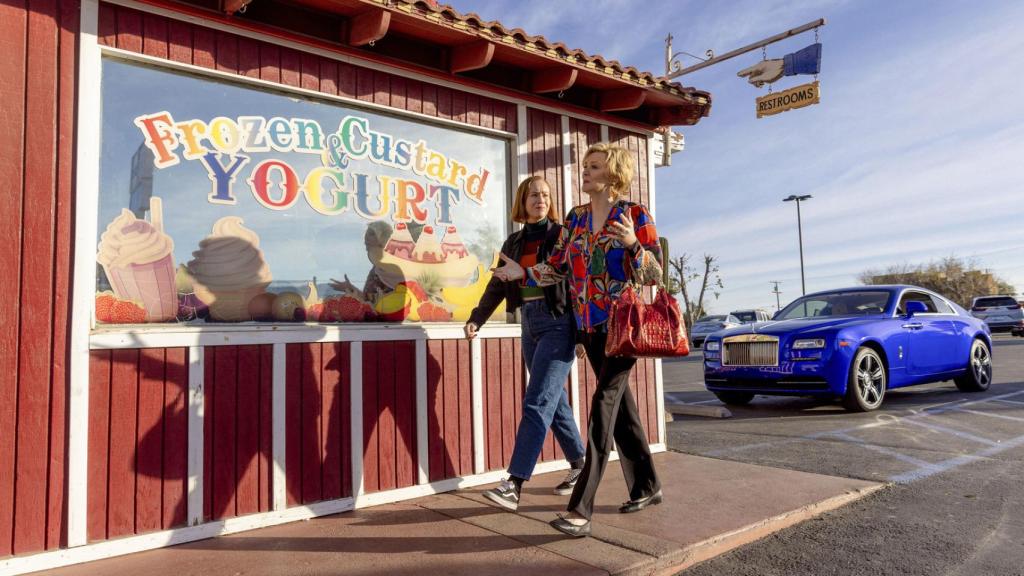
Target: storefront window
224	202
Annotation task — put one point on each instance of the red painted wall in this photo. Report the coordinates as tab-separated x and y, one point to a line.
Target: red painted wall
138	441
36	160
186	43
318	437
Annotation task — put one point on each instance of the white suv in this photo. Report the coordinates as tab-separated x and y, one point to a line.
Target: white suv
1001	313
751	316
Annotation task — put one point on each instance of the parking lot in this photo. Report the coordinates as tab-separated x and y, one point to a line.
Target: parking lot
953	461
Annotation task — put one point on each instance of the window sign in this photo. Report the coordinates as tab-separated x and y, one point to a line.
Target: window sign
221	202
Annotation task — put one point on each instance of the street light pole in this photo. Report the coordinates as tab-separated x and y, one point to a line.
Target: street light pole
800	234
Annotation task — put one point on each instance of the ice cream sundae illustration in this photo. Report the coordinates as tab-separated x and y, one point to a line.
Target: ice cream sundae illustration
137	258
452	247
228	270
446	260
400	244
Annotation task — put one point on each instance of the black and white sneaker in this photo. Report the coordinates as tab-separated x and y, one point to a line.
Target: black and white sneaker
570	481
505	495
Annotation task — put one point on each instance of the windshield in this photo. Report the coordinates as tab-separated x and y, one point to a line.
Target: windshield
748	316
711	319
861	303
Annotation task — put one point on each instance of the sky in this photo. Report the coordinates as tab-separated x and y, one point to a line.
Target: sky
915	152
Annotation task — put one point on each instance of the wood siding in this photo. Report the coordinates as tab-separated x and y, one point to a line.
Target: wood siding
187	43
138	441
318	435
38	40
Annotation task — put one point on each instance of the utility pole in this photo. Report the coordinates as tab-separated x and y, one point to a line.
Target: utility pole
778	306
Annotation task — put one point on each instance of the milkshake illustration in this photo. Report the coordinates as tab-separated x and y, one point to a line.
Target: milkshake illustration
136	256
228	270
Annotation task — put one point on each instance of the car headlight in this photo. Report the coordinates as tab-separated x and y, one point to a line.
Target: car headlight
809	343
713	346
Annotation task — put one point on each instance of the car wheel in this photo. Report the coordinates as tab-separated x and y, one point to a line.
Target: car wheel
735	398
979	369
865	386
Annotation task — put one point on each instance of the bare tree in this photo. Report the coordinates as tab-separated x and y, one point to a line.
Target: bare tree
683	273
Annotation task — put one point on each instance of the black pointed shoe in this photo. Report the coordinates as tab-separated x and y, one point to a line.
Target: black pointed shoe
638	505
565	527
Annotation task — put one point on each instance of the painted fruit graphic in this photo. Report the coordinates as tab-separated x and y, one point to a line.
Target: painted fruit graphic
345	309
285	306
398	305
261	307
432	312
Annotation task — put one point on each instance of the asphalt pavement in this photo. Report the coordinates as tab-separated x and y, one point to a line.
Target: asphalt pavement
953	463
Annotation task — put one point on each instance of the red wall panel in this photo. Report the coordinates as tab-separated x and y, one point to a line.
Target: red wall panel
237	388
138	441
132	30
38	90
318	437
389	422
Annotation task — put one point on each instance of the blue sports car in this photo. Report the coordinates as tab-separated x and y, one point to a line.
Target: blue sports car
854	344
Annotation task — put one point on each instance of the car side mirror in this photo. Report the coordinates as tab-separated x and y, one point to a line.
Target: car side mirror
915	307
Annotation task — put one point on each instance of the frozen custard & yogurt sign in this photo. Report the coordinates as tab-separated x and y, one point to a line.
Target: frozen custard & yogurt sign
223	146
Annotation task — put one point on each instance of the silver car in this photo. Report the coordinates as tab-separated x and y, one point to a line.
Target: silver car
1001	313
709	324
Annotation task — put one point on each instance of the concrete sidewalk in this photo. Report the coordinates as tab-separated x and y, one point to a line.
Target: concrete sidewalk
711	506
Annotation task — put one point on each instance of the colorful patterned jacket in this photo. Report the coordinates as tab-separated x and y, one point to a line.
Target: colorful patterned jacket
598	265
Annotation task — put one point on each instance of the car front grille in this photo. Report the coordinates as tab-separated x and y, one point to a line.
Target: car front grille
751	350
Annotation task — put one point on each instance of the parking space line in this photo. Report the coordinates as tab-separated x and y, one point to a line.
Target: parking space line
991	414
884	450
958	461
883	420
1004	401
952	431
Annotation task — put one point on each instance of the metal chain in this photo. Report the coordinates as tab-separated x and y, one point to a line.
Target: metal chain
816	42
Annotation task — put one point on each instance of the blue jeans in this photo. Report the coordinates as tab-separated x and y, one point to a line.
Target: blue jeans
548	344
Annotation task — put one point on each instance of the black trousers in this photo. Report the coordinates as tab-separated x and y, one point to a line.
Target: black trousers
613	414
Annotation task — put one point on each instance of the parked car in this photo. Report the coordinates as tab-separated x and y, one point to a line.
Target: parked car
1001	313
853	344
708	324
751	316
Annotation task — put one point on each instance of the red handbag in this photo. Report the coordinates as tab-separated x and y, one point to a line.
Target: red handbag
640	330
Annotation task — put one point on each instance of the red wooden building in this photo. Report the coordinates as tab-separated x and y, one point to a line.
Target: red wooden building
119	438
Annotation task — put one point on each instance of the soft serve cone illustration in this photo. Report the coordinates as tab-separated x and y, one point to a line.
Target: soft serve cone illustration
136	256
228	270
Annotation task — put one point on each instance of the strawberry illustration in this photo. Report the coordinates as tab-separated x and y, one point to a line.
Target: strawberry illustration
351	309
430	312
127	312
104	304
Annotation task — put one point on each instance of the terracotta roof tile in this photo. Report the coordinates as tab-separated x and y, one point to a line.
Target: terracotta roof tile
445	14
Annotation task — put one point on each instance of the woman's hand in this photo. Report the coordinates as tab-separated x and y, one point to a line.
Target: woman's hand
623	230
470	329
510	271
581	352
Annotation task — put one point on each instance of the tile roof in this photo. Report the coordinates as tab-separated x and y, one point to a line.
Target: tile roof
445	15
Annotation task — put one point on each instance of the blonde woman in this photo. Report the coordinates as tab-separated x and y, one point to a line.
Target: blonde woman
605	244
548	340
